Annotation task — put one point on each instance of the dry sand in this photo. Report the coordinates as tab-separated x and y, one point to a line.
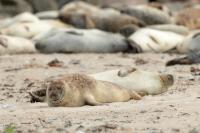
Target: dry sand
176	111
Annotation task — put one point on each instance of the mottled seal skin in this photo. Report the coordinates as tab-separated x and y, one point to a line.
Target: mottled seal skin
147	14
85	16
110	24
192	58
190	43
104	22
15	45
189	17
77	41
75	90
151	40
133	79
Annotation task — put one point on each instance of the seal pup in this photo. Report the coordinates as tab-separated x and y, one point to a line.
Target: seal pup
151	40
15	45
109	23
191	58
133	79
190	43
75	90
77	40
85	16
148	15
104	20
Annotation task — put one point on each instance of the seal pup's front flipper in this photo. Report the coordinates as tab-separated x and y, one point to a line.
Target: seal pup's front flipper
90	100
135	95
125	72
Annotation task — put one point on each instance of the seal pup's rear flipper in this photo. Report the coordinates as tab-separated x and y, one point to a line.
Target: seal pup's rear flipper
135	95
192	58
38	96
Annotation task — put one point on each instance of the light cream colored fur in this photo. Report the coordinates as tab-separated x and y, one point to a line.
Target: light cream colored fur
15	45
142	82
151	40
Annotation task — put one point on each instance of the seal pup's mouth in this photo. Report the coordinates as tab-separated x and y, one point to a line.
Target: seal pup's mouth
56	91
167	79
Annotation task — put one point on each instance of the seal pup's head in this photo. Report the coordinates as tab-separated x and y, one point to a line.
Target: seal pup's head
167	80
55	92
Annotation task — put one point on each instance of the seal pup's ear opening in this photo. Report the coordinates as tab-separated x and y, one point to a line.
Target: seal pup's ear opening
125	72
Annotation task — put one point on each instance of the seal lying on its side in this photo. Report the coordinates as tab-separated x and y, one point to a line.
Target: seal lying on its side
148	15
144	83
189	17
192	58
151	40
85	16
77	41
131	79
74	90
15	45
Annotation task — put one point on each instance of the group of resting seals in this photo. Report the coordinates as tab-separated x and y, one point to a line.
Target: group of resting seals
142	28
72	90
